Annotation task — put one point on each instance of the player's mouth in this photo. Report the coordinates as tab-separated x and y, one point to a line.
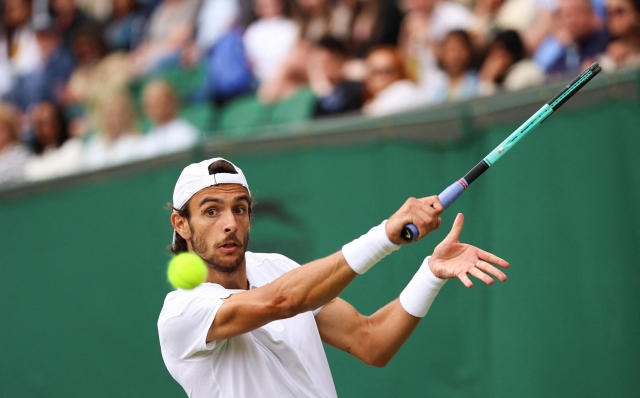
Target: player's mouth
229	246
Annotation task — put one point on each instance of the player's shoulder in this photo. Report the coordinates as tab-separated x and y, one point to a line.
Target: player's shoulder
178	300
257	259
271	263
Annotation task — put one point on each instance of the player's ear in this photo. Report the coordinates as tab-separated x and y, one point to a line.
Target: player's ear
181	225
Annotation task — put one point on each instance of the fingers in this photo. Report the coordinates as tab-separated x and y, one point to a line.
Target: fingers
432	207
481	275
491	258
434	203
456	229
424	221
465	280
490	269
423	213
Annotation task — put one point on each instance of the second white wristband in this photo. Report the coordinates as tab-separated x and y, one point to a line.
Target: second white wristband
417	297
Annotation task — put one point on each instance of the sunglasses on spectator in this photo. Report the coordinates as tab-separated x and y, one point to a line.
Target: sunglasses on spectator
617	11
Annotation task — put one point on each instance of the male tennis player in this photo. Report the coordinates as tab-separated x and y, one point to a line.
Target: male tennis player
255	327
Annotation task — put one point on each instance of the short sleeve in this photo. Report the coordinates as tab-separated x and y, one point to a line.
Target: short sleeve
291	265
317	310
274	266
184	324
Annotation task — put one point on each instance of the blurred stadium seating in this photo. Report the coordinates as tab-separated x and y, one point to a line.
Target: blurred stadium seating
84	256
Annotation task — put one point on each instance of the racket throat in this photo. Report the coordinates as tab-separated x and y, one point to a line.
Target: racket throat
475	172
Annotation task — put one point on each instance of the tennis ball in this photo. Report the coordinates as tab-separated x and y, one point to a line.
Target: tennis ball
186	271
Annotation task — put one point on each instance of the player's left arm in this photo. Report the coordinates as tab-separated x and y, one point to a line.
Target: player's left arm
377	338
372	339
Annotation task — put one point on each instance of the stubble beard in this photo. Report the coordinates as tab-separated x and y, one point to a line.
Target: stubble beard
215	262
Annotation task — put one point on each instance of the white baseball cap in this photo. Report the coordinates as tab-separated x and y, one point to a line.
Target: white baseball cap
196	177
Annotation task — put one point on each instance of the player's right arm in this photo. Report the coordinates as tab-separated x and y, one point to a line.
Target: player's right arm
313	285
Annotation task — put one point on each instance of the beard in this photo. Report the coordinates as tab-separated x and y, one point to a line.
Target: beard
220	263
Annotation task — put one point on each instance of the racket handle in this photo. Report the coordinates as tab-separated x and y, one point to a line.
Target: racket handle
447	197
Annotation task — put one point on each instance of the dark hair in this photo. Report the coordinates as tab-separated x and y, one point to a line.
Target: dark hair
462	34
36	145
466	40
179	244
510	40
636	5
332	45
95	35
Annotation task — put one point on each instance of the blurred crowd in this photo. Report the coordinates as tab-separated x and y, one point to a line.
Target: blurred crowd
68	68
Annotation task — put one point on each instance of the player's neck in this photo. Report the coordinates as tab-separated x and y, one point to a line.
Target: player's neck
235	280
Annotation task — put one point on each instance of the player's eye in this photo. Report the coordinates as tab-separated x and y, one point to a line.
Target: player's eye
241	210
211	212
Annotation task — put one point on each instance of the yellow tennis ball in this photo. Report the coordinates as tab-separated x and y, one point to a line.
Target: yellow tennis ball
186	271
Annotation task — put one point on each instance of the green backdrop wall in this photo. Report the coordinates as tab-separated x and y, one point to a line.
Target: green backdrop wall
83	266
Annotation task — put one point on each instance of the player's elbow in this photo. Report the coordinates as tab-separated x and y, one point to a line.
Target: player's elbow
377	361
284	305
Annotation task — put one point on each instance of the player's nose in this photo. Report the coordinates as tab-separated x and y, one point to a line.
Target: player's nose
229	222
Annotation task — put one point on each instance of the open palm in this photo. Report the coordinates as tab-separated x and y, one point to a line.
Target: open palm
453	259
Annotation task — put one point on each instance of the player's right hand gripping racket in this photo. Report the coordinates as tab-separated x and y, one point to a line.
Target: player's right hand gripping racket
453	192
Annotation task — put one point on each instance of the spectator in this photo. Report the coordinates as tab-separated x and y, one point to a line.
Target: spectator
170	29
117	141
387	89
49	81
372	23
68	19
98	71
543	24
491	16
57	153
269	40
313	18
125	28
623	23
460	81
360	24
325	66
215	19
578	39
291	76
425	24
13	155
97	9
229	72
18	42
506	66
169	133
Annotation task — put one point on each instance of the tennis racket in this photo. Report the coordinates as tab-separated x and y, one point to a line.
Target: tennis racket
448	196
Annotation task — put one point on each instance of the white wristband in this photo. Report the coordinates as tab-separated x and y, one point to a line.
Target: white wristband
362	253
417	297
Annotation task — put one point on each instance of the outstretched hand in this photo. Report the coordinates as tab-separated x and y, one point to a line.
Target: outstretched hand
452	259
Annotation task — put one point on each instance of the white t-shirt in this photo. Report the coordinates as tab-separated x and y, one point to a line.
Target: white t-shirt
399	96
175	136
27	58
215	18
99	153
267	43
54	163
282	359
